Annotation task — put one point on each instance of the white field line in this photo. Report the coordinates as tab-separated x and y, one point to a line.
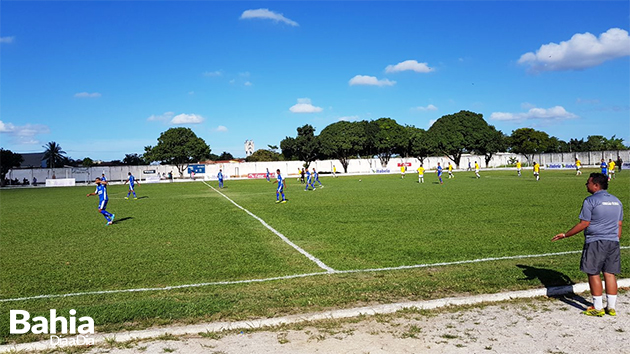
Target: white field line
287	277
217	327
284	238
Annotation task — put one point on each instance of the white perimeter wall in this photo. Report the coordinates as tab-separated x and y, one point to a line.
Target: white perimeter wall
290	168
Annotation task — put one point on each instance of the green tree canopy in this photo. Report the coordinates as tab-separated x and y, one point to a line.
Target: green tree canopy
134	159
178	146
456	134
8	160
528	141
54	155
87	162
492	141
225	156
387	138
600	143
304	147
343	140
264	155
421	145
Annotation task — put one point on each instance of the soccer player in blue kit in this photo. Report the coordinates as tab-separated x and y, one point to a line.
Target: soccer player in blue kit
309	180
439	172
220	177
604	167
280	189
316	178
101	191
132	182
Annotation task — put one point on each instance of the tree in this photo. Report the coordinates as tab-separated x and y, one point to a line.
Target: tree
8	160
304	147
600	143
342	140
87	162
134	159
390	138
492	141
225	156
53	155
455	134
528	141
178	146
264	155
421	146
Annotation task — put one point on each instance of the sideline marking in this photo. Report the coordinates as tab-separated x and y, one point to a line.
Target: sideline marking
295	276
284	238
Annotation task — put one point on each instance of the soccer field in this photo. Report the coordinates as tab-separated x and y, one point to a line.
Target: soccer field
336	241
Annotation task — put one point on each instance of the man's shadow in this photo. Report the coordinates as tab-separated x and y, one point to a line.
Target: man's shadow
559	285
122	219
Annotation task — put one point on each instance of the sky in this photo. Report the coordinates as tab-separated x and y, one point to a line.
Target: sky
104	79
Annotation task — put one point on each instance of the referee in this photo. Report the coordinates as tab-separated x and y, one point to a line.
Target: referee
600	219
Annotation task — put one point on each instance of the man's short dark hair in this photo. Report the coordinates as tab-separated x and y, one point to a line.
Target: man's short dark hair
599	179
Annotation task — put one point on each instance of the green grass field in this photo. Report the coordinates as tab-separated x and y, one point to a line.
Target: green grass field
54	242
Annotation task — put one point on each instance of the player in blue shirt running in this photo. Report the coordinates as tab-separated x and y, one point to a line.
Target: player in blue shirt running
132	182
439	172
316	178
101	191
309	180
280	189
604	167
220	177
268	179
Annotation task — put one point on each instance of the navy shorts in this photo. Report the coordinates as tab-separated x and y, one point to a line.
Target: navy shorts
601	256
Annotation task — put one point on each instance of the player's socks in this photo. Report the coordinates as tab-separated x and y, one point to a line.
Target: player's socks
598	303
611	301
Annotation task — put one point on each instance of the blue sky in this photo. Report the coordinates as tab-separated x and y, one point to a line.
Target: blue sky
104	79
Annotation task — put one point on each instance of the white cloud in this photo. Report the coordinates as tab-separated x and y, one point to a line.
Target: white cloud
548	114
23	134
161	118
6	39
348	118
183	118
221	128
582	51
267	15
427	108
191	92
87	95
247	83
527	105
370	81
304	106
212	73
409	65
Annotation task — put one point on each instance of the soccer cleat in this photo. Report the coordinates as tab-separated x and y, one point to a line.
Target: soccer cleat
591	311
322	187
113	216
277	201
135	198
283	201
611	312
126	197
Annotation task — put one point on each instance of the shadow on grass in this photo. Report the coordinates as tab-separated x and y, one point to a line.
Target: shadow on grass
559	285
143	197
122	219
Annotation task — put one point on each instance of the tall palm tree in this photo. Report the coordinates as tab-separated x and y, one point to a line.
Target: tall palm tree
53	154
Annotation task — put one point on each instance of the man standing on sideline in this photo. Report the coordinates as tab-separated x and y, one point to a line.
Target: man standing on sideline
132	182
600	219
280	189
101	191
619	162
220	177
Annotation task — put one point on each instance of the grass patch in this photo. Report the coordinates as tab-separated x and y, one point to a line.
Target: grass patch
54	242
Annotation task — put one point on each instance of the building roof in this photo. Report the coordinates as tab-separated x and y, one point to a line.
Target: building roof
35	159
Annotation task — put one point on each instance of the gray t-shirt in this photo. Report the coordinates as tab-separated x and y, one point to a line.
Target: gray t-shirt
604	211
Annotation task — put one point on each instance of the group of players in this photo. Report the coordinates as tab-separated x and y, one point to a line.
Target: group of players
103	198
305	177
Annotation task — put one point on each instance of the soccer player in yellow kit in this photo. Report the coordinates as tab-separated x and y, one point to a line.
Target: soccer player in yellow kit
402	171
477	170
420	174
450	171
578	167
611	169
537	171
519	167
